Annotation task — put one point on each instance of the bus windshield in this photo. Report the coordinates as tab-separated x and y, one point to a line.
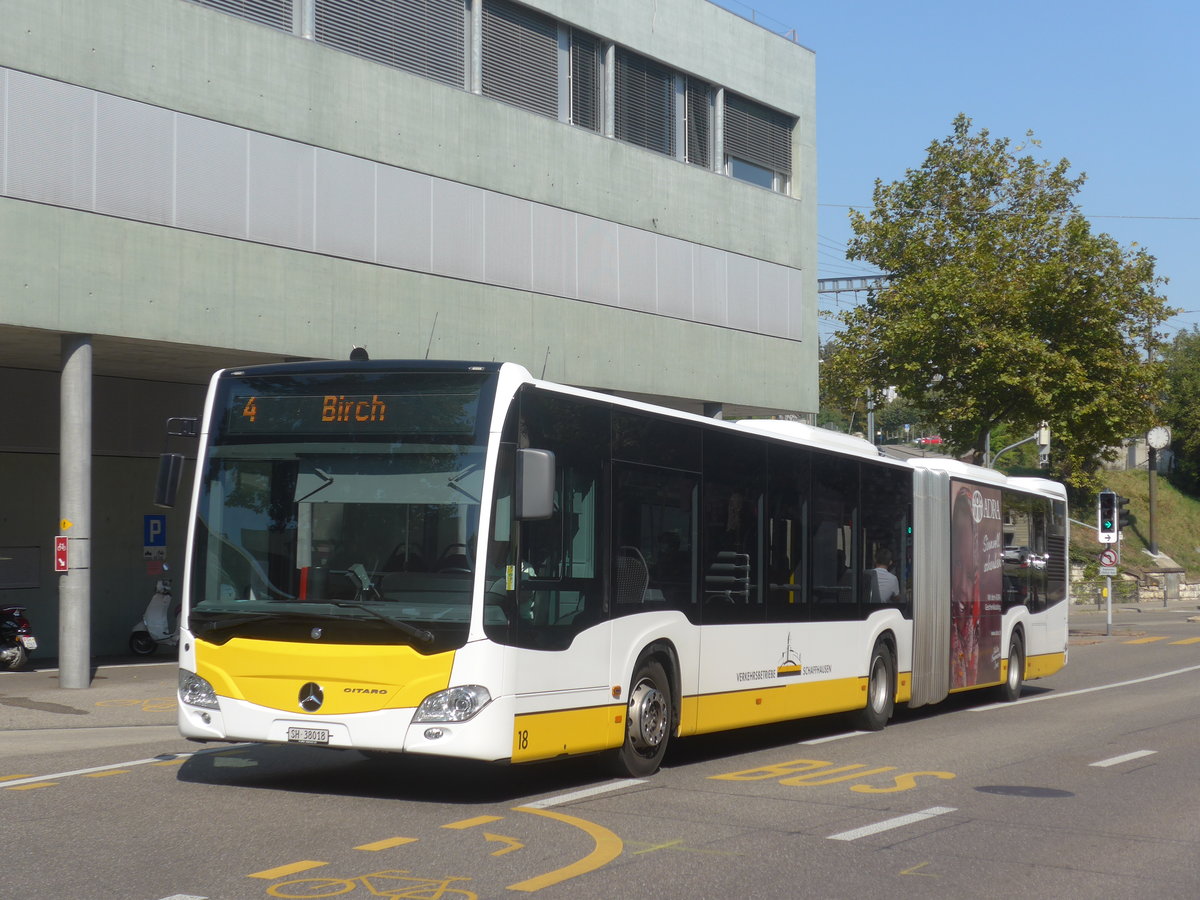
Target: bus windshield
366	528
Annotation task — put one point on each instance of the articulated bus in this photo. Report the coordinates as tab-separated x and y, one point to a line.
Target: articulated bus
460	560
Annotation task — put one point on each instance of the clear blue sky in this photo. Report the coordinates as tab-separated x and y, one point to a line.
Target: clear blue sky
1112	87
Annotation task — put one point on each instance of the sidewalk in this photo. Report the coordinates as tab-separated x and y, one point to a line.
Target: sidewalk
1132	617
122	692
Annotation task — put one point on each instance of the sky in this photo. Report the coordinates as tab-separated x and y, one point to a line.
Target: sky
1113	87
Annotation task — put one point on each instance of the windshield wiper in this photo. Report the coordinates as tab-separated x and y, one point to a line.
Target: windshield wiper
455	479
425	637
324	476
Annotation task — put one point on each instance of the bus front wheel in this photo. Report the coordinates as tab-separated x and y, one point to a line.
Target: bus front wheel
647	722
881	690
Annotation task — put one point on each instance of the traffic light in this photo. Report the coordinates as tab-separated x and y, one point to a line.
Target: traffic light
1106	517
1124	516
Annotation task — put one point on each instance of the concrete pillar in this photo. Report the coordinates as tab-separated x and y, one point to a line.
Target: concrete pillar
75	509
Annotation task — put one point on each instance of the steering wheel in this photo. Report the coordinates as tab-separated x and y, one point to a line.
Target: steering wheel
446	561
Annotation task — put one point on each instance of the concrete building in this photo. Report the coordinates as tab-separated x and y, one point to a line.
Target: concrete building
618	195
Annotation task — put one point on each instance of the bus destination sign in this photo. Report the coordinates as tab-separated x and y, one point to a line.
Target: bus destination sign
315	414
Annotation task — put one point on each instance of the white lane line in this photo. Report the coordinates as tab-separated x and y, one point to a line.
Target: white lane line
589	792
835	737
1117	760
1099	687
165	758
889	824
136	762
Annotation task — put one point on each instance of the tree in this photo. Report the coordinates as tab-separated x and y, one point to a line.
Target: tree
1002	305
1180	405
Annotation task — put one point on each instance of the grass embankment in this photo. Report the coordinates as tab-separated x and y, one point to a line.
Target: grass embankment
1176	524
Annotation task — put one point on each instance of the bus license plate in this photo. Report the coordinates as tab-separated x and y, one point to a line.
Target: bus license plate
308	735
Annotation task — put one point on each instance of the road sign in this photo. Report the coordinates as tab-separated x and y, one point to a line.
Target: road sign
1108	557
154	531
60	553
1108	570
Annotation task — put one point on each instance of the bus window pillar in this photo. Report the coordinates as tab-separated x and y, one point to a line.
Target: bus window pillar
75	507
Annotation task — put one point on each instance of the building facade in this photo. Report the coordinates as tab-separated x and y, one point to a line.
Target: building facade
618	195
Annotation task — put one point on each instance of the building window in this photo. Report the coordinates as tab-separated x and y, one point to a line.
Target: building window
520	57
758	143
645	103
586	82
697	128
425	37
276	13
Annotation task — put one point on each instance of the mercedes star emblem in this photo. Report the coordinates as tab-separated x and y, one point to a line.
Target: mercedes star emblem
311	697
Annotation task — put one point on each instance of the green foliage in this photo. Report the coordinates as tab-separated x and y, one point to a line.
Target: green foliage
1003	307
1181	407
1176	522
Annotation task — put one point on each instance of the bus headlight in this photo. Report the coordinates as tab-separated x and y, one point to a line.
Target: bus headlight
195	691
456	704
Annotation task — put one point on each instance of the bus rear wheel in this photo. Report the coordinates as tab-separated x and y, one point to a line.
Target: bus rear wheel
1011	689
881	690
647	722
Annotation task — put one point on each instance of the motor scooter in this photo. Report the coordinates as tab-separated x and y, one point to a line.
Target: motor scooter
16	637
160	621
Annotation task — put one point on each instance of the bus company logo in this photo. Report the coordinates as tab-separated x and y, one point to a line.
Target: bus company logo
312	695
789	663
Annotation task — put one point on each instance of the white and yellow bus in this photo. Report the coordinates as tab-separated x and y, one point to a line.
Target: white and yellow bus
461	560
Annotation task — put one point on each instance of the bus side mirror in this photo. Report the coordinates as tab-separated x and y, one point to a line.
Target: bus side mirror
166	486
535	484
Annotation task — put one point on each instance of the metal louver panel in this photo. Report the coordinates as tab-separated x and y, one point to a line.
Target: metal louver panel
276	13
698	134
426	37
645	103
585	81
520	57
757	134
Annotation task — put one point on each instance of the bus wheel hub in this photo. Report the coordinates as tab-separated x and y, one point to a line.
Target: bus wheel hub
647	717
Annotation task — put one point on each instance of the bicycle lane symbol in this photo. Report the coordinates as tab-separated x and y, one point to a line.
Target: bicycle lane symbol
394	884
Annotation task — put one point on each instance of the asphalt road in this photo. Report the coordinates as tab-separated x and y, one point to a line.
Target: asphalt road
1087	787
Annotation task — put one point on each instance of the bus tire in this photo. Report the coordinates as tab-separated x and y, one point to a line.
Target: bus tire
1011	689
881	690
647	722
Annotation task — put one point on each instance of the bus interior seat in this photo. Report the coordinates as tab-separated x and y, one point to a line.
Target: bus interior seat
632	576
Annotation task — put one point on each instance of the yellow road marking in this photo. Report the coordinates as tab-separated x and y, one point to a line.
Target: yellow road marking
13	777
471	823
676	845
913	871
173	762
1195	640
387	843
513	843
291	869
106	774
30	787
669	845
1147	640
608	847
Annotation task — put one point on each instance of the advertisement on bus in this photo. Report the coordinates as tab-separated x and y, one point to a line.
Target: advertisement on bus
976	582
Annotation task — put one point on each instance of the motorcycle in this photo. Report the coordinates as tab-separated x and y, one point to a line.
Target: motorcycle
159	624
16	637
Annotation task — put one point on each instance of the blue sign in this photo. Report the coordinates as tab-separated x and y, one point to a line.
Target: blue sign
154	531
